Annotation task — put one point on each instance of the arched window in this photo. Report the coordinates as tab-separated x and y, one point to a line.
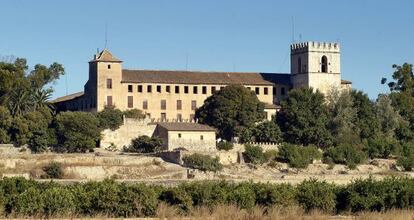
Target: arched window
299	65
324	64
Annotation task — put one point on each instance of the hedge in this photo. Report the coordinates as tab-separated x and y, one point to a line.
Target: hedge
26	198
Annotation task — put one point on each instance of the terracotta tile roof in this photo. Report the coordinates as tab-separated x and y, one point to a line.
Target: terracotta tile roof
184	126
105	56
68	97
194	77
345	82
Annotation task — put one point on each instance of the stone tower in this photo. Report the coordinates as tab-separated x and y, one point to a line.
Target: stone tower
316	65
104	84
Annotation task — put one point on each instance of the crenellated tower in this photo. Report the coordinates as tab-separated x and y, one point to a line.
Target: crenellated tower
316	65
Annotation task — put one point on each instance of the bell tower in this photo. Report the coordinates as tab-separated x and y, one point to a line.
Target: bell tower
316	65
104	84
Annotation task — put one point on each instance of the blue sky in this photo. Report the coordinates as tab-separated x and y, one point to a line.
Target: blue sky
216	35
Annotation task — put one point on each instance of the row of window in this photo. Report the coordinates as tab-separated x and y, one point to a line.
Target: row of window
163	103
195	89
163	117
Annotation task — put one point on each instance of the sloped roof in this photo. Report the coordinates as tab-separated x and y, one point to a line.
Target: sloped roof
105	56
68	97
185	126
345	82
199	77
278	78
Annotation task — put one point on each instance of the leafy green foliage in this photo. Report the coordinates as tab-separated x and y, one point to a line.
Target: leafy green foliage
77	131
5	124
298	156
366	121
134	113
110	119
243	195
381	147
345	154
315	195
225	145
233	110
254	154
145	144
406	159
267	131
202	162
297	118
53	170
58	201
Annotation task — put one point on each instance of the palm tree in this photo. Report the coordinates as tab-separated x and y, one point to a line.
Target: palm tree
19	102
40	99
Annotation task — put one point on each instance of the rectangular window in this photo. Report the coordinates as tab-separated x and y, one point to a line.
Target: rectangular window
193	105
129	88
179	104
163	116
109	83
158	89
179	117
195	89
213	89
149	88
168	89
201	137
204	89
185	89
282	91
249	88
221	87
109	66
266	91
109	101
257	90
130	101
163	104
179	135
145	104
177	89
139	88
274	90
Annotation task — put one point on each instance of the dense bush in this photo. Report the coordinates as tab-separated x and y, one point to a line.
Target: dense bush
406	159
298	156
110	118
77	132
381	147
225	145
345	154
53	170
26	198
145	144
267	131
254	154
134	113
202	162
312	194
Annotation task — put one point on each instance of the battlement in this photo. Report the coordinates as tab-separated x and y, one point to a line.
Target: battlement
314	46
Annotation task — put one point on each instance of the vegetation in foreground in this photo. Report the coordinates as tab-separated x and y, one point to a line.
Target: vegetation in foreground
20	197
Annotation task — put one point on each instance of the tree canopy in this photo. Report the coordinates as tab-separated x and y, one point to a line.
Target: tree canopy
234	110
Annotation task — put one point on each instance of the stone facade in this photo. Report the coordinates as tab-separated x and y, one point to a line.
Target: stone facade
175	95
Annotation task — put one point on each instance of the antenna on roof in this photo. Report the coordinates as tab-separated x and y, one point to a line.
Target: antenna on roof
186	61
293	30
106	34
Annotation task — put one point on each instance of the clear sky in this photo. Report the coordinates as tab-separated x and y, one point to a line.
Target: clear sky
216	35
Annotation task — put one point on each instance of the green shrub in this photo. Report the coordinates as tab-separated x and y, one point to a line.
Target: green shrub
298	156
270	155
77	132
243	196
202	162
225	145
58	201
110	119
145	144
39	142
136	200
207	193
345	154
380	147
267	131
315	195
177	197
134	113
406	159
53	170
29	203
254	154
268	195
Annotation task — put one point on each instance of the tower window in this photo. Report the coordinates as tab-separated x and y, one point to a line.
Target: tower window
109	83
299	65
109	66
324	64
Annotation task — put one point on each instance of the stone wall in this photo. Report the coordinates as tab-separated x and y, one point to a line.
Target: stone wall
132	128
